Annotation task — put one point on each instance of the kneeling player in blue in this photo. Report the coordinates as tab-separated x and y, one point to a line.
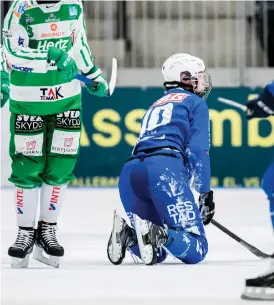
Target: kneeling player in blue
154	183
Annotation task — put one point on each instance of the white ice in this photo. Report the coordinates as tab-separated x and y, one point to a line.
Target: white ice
85	276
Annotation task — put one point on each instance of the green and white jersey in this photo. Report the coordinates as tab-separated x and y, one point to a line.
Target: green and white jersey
29	30
3	64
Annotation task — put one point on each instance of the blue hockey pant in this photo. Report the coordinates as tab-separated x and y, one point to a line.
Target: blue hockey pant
156	188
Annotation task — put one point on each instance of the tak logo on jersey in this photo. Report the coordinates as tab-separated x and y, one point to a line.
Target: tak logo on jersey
51	94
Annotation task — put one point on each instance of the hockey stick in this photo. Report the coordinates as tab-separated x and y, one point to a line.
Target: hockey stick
249	247
112	81
232	103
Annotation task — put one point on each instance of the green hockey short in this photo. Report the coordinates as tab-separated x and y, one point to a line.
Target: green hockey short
44	148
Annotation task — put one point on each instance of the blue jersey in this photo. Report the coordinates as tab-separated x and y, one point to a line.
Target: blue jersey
263	105
270	88
180	119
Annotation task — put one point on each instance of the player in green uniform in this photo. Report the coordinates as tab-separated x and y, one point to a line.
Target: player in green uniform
5	84
46	46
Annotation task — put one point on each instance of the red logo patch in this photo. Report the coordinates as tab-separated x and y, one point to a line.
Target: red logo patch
68	142
171	98
53	27
31	145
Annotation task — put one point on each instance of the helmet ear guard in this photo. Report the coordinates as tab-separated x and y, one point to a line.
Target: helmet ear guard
185	83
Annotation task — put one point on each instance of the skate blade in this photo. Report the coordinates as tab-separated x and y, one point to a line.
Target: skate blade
146	251
40	255
18	263
115	249
258	294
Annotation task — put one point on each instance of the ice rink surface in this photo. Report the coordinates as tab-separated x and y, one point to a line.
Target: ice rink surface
85	276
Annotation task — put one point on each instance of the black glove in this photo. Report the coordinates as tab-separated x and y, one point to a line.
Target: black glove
207	207
261	107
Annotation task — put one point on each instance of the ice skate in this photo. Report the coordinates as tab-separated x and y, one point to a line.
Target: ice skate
150	237
47	249
122	237
22	248
260	288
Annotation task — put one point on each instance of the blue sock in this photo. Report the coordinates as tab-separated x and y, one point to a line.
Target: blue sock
271	201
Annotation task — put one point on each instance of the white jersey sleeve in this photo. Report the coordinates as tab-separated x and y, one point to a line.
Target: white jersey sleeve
16	41
81	50
3	65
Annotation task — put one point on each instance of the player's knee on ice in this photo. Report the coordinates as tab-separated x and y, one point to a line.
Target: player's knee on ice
187	247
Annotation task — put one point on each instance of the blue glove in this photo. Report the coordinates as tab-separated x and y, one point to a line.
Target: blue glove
262	106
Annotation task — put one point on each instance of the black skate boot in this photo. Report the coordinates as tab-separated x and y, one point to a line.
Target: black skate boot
122	237
22	247
150	237
260	288
46	241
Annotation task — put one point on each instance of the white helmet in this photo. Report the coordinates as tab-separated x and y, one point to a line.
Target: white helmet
187	71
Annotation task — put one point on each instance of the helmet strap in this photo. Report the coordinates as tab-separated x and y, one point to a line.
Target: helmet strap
175	84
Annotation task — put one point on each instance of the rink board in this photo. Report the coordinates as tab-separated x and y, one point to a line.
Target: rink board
111	126
85	276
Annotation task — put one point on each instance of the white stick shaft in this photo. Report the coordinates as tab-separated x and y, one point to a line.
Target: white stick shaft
113	78
232	103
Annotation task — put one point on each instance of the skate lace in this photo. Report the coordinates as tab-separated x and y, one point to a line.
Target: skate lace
161	241
24	238
49	235
161	236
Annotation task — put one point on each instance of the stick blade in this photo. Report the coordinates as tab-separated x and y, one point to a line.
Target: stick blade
112	82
